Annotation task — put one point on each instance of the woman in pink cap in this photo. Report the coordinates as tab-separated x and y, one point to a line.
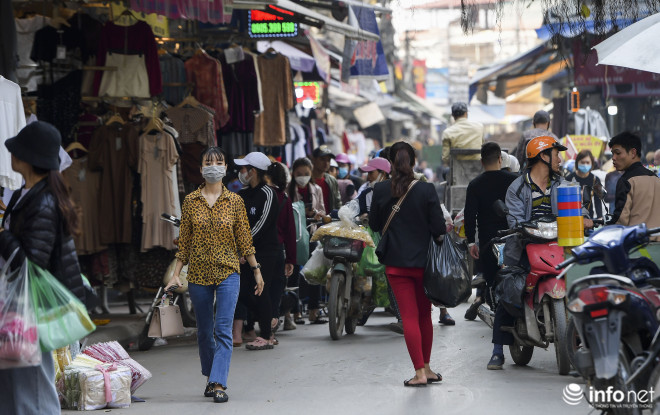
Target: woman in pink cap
377	169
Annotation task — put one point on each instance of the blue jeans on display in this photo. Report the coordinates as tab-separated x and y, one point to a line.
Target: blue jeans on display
30	390
214	335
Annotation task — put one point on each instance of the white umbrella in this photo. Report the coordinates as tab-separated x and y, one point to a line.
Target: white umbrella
634	47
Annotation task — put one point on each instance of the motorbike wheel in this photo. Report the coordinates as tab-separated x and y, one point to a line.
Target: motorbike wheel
654	384
618	383
573	343
560	323
351	325
144	341
187	311
337	306
521	355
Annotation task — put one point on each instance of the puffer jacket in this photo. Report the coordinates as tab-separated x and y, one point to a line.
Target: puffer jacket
36	229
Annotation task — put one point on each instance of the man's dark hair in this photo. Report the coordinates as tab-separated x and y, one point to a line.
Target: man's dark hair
490	152
541	117
628	141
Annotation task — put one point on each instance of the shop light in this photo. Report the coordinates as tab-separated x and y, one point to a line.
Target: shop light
613	110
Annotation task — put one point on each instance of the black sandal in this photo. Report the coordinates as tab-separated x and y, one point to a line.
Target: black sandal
208	391
413	385
439	379
220	396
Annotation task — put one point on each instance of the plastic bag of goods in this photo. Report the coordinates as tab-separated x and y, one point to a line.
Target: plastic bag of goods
345	228
113	352
446	277
107	385
19	339
316	269
369	264
509	287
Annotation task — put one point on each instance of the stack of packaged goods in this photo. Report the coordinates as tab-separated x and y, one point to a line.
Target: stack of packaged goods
112	352
89	384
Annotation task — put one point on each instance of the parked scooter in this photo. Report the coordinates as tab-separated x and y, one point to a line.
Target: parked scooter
614	309
180	295
543	319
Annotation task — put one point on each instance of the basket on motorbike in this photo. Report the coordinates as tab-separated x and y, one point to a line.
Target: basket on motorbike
336	246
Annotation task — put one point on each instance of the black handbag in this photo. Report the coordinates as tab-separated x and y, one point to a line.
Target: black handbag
382	244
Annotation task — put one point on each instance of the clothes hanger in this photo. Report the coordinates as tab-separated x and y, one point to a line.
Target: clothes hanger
129	13
189	100
76	146
116	118
154	124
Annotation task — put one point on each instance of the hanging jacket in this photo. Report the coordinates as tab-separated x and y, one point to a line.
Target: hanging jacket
36	228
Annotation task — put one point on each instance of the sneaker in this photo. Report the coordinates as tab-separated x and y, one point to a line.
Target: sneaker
472	312
496	362
289	324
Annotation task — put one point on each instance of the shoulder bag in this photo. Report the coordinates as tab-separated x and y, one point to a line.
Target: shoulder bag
382	245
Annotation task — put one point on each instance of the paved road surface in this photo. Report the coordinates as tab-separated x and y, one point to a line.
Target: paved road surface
310	374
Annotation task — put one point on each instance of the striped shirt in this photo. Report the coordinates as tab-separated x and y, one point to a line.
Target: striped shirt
541	201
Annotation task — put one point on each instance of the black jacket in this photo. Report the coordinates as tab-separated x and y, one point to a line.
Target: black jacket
409	233
36	228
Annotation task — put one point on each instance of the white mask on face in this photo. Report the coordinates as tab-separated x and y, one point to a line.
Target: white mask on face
303	180
378	179
243	178
213	174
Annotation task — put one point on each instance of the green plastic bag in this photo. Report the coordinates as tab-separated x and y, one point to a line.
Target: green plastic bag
61	317
302	234
369	264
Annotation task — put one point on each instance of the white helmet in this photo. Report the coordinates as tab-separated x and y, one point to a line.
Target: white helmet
514	164
505	160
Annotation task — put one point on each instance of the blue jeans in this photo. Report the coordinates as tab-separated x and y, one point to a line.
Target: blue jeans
30	390
214	335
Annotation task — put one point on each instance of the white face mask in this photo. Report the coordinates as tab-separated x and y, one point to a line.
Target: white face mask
213	174
378	179
303	180
243	178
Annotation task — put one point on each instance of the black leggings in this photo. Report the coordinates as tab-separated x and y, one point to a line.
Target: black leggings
259	305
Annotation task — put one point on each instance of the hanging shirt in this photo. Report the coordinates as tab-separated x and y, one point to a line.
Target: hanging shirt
25	31
129	46
12	120
241	85
278	98
206	73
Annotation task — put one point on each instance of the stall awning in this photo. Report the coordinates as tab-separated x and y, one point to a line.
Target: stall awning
578	25
422	105
518	73
299	60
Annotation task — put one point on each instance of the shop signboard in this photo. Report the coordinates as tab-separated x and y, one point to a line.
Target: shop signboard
263	24
308	91
364	58
588	142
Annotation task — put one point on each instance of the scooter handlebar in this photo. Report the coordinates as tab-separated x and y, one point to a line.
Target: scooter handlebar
566	263
652	231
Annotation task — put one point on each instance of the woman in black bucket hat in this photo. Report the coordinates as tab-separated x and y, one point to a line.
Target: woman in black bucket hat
39	221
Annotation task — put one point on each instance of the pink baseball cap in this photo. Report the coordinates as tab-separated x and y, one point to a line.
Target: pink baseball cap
377	163
342	158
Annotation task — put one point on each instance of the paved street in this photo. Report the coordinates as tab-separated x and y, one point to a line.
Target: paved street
363	373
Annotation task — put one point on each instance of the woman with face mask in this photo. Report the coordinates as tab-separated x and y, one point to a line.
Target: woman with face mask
378	170
262	206
214	232
591	185
301	188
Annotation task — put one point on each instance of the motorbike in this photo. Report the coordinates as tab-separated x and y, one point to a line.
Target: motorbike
614	309
542	319
178	294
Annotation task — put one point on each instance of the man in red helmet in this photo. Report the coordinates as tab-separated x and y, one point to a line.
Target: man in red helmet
532	195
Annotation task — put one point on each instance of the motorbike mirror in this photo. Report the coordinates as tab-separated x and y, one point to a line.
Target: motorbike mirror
500	208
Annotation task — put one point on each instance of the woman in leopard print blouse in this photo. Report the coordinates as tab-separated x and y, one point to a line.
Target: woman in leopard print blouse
214	234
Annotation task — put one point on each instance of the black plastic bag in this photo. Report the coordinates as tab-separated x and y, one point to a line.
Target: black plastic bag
509	287
446	278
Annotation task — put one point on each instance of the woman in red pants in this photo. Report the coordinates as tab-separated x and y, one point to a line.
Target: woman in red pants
407	237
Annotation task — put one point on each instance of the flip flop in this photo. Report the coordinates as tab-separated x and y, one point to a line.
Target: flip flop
413	385
318	321
439	379
261	344
447	320
239	344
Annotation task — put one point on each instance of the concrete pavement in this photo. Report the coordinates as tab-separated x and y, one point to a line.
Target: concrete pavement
310	374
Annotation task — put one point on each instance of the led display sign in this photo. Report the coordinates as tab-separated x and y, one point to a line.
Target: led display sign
264	24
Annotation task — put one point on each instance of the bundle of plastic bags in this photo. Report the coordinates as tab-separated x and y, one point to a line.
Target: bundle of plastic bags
346	227
19	340
113	352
